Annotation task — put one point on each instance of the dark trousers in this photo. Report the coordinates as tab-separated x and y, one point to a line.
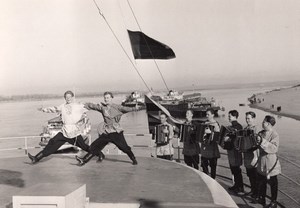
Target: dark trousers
212	162
262	186
165	157
59	139
117	139
238	178
252	175
192	161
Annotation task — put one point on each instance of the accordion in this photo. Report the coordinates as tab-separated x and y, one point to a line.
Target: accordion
188	133
207	138
245	140
161	134
227	132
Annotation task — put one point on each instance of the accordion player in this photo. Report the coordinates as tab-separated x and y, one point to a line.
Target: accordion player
229	134
161	134
246	140
188	133
206	133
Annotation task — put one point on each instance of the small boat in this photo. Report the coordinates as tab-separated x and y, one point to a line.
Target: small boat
135	98
55	125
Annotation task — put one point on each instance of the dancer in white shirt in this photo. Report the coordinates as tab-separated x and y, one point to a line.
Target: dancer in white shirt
72	115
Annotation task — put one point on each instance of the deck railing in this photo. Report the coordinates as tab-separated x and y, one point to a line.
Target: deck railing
284	176
26	147
26	138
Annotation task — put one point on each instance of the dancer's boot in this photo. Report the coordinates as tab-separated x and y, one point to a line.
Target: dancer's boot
85	159
101	157
35	159
132	157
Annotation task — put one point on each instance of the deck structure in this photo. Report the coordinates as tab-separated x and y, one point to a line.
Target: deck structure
116	182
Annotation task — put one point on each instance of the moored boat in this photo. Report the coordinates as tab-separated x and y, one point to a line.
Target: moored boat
134	99
177	104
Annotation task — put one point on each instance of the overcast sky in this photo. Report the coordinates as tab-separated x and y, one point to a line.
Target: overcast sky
49	46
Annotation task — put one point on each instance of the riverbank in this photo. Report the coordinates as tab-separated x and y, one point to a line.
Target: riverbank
41	97
282	102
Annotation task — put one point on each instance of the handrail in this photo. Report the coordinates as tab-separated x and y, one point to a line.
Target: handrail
18	137
26	147
281	157
286	159
281	174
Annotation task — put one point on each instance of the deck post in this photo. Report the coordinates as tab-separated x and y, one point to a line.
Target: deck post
26	146
178	149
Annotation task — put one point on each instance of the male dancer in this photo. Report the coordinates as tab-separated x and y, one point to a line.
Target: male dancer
109	131
72	115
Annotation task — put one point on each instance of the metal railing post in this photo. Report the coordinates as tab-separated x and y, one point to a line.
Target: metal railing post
178	149
26	147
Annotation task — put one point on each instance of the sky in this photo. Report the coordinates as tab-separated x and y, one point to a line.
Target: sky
50	46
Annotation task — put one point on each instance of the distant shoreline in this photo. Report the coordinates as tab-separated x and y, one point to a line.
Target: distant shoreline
296	117
41	96
280	101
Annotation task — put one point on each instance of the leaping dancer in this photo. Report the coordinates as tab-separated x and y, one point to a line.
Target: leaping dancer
72	115
109	131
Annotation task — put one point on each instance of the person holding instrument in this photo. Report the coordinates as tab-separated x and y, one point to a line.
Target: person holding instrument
191	148
268	166
209	148
234	156
251	156
164	134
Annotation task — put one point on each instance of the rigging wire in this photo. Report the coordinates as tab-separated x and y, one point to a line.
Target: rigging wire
161	75
102	15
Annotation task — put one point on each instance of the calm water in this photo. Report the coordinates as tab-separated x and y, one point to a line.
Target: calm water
23	118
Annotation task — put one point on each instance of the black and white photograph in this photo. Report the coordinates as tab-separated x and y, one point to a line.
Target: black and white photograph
149	103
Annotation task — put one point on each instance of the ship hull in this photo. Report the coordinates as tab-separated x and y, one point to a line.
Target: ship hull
179	111
178	108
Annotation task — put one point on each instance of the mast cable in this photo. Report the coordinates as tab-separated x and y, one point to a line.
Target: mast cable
148	45
101	14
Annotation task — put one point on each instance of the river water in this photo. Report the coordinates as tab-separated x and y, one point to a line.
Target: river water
23	119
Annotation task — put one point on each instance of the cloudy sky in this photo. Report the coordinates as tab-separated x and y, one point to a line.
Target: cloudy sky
49	46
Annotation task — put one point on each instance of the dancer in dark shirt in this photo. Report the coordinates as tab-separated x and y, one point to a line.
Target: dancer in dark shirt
110	130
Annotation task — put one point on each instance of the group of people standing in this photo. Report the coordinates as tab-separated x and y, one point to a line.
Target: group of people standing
191	144
262	165
72	114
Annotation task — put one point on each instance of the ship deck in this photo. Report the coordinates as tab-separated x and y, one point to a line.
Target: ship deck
115	181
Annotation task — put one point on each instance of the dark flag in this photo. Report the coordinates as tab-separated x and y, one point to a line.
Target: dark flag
144	47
